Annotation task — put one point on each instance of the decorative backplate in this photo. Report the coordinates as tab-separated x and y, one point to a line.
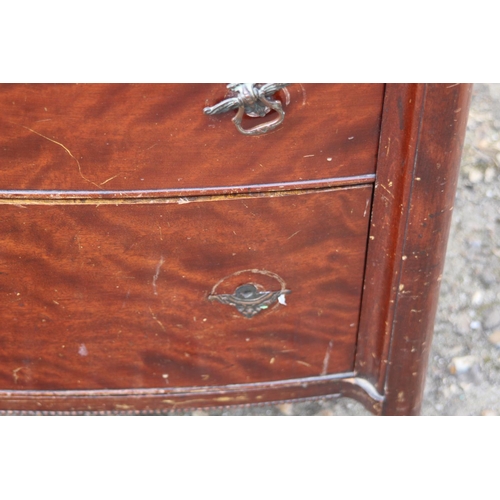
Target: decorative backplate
250	299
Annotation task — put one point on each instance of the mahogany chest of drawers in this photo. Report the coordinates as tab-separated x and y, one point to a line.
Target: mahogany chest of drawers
158	254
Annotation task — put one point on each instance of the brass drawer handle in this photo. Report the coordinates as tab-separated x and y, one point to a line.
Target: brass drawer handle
254	100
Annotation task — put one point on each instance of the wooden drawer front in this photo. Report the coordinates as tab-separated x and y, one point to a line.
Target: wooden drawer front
115	296
102	137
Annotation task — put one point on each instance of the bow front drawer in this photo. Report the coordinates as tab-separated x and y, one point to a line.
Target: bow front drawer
125	297
169	246
102	137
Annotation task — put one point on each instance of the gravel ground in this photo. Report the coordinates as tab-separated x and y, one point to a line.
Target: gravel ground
464	367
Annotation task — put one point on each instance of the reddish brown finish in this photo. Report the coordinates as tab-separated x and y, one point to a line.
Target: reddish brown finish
400	134
165	399
166	195
116	296
150	137
85	243
429	209
421	141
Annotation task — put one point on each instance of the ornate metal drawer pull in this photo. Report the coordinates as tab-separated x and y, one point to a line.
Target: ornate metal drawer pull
248	300
255	100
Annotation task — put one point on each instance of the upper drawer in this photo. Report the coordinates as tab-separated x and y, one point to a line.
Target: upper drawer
116	137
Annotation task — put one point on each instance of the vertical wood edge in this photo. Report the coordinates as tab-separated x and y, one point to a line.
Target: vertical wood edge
401	119
430	206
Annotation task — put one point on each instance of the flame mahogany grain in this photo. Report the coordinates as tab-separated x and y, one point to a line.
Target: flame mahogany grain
123	205
116	296
141	136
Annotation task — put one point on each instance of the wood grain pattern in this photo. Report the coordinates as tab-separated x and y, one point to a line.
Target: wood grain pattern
115	297
403	107
173	195
104	280
423	128
429	210
103	137
158	401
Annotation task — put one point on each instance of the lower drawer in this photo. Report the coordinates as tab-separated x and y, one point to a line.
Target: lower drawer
118	295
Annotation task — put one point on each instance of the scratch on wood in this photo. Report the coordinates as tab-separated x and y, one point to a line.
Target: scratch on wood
157	273
126	298
242	397
15	375
77	238
110	179
366	207
303	363
67	151
327	358
296	232
382	186
304	95
157	320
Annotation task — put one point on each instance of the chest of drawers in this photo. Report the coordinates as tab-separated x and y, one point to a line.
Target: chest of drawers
156	257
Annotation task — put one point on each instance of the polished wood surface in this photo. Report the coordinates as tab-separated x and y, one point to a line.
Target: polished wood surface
115	296
430	206
401	121
421	143
159	400
118	270
102	137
